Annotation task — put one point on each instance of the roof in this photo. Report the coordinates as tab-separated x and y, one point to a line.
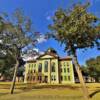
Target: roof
51	54
67	58
31	61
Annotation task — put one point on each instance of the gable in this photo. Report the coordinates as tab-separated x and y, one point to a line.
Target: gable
46	56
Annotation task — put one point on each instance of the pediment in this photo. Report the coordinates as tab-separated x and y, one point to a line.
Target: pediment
45	56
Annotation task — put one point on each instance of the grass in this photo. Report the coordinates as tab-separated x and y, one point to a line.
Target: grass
48	92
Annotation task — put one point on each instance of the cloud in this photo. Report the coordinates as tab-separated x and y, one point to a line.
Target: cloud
38	51
35	49
48	15
32	54
41	39
0	41
48	18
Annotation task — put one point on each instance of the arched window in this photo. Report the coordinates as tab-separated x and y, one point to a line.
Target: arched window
40	67
46	66
53	69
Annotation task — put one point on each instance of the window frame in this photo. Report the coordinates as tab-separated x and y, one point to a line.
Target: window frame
46	67
53	67
40	67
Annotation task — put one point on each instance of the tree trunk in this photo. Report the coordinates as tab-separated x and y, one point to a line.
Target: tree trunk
14	77
78	70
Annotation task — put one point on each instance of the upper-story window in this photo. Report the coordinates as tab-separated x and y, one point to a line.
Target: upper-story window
40	67
46	66
53	68
34	65
61	70
29	66
60	65
64	70
68	70
64	63
68	64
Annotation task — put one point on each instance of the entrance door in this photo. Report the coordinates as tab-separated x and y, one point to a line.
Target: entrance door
40	79
46	79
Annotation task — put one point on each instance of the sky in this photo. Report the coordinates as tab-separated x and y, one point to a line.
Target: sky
41	11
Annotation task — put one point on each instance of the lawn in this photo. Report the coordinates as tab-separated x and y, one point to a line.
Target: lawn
48	92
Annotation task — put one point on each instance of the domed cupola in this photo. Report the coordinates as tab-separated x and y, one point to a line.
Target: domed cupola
51	51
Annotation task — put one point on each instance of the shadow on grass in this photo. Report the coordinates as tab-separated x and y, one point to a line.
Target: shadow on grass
29	87
2	94
94	93
54	87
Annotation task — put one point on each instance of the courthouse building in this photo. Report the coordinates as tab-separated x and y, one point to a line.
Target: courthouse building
49	68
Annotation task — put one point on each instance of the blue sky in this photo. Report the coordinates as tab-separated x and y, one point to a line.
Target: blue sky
40	11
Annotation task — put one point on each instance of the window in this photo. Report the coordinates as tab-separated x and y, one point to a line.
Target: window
33	78
61	78
40	78
65	78
34	65
64	64
67	64
54	78
34	71
64	70
46	66
69	78
31	71
61	69
40	67
53	67
68	70
29	65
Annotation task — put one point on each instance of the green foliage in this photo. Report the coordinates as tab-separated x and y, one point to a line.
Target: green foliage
93	68
6	66
20	71
17	34
76	28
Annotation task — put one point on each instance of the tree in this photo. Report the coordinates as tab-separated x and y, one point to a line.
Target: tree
85	70
77	29
6	66
93	68
15	36
7	61
20	73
